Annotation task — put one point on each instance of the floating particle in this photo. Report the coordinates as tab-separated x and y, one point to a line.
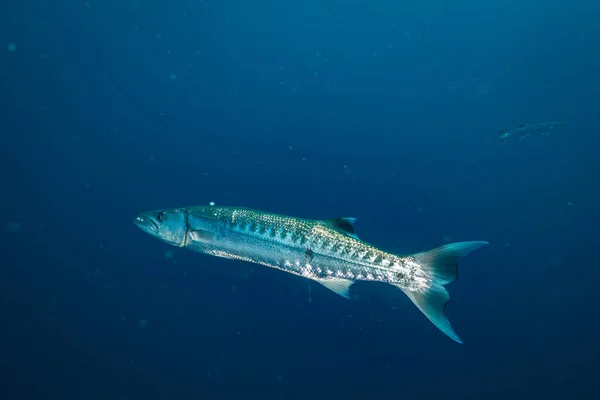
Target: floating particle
212	203
169	254
13	227
569	203
143	323
446	239
347	170
420	209
12	47
172	76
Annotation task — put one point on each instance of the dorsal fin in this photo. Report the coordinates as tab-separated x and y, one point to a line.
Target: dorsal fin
345	225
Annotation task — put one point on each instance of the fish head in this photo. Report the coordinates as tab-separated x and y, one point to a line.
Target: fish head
503	135
169	225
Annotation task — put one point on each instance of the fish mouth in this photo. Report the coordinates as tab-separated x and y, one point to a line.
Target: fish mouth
146	224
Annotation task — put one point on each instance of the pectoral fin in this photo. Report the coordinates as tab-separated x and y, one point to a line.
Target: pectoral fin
201	236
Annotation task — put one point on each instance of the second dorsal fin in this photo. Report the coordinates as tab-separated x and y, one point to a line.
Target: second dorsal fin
345	225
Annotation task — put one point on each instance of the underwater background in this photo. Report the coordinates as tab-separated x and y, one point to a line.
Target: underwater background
383	110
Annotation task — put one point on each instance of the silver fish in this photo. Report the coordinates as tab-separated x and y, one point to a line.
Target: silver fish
524	130
326	251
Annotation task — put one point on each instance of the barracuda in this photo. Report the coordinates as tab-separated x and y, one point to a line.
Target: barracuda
523	131
326	251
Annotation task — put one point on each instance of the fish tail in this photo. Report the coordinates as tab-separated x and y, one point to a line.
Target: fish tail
442	265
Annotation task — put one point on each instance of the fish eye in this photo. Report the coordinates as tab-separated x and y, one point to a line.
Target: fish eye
161	216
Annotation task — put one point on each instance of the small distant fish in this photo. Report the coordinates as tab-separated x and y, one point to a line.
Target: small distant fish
326	251
524	130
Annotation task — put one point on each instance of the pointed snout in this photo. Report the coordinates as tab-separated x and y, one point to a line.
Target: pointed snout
146	223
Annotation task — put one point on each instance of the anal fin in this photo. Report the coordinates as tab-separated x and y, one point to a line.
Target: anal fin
337	285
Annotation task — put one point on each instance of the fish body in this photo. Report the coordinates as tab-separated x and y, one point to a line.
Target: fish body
325	251
524	130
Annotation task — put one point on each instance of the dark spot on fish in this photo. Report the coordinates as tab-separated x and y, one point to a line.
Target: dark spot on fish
292	235
309	254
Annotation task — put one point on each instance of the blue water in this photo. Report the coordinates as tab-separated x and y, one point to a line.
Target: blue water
383	110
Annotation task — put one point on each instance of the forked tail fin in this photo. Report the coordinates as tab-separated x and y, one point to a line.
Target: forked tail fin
442	264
